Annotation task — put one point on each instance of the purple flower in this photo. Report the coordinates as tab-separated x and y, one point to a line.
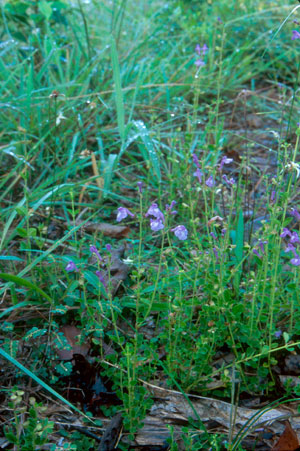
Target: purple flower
285	233
198	174
255	252
123	213
223	232
196	160
201	51
295	35
94	250
278	333
295	213
225	160
273	196
231	181
108	247
199	62
181	232
140	187
262	245
294	238
155	211
101	278
71	267
156	225
295	261
210	181
213	235
216	253
291	248
169	208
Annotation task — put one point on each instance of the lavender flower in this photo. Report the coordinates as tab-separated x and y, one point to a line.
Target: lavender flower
295	213
181	232
156	225
295	35
140	187
262	245
291	248
255	252
196	160
294	238
199	62
225	160
108	247
198	174
101	278
201	51
210	181
71	267
285	233
94	250
273	196
295	261
230	181
223	232
212	234
123	213
155	211
216	253
169	208
278	333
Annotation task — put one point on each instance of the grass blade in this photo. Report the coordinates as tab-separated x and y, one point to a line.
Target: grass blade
118	90
40	382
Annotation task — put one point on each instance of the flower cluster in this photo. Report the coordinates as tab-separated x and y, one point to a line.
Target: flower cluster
157	218
210	182
71	266
201	52
157	222
293	239
261	245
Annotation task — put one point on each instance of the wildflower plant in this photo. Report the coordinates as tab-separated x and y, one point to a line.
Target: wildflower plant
211	210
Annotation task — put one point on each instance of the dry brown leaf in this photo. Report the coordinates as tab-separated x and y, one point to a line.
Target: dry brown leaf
288	440
72	334
113	231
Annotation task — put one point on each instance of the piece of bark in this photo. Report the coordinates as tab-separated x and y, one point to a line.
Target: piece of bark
171	408
111	434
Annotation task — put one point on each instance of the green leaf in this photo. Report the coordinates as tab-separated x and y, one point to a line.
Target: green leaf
24	283
11	258
239	245
45	9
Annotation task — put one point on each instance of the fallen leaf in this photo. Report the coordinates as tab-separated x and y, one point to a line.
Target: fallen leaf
72	334
113	231
288	440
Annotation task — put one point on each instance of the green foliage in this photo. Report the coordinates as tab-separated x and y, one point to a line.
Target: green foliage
35	430
96	97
